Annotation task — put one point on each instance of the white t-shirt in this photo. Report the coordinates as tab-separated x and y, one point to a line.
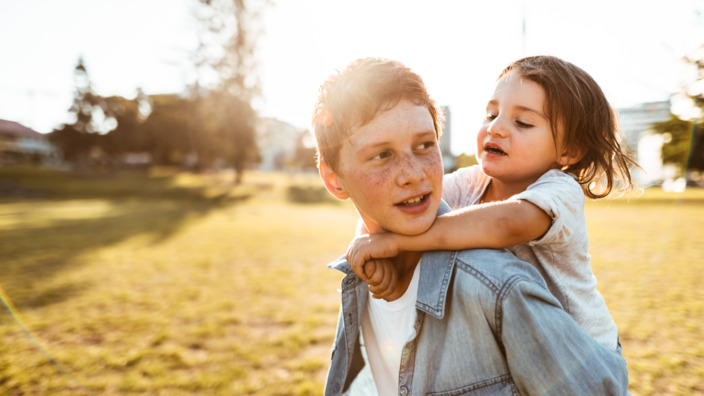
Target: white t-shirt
561	255
386	327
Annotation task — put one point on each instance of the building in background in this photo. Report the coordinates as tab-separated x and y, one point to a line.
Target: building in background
281	145
277	141
449	162
636	126
21	144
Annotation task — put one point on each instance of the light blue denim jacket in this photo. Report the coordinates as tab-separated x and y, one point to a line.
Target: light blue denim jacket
486	325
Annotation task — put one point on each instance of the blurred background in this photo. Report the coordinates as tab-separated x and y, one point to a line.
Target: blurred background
103	80
159	204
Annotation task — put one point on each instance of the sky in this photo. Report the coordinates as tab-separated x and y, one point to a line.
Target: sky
632	48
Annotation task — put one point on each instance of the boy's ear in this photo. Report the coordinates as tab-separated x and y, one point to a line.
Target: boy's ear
332	181
571	155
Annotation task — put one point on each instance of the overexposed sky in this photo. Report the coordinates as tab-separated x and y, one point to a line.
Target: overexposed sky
632	48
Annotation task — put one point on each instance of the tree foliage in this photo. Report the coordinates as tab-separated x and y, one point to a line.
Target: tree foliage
226	59
684	143
77	138
213	124
465	160
304	157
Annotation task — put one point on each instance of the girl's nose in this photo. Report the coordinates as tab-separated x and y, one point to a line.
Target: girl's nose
497	127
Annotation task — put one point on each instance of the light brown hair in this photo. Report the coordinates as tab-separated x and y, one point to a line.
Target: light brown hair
353	97
576	105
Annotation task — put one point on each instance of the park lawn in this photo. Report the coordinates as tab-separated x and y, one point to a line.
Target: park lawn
648	256
144	295
180	284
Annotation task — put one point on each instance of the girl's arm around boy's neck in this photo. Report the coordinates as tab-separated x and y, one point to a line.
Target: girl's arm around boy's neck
493	225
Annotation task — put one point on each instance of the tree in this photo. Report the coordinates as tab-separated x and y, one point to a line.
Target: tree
465	160
128	135
684	131
170	129
78	139
684	145
227	65
304	157
231	124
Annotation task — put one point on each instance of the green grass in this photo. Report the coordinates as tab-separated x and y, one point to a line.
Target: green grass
177	284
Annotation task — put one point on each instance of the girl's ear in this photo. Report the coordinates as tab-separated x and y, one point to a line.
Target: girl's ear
571	155
332	181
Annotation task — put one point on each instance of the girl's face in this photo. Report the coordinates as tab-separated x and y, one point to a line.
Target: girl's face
515	144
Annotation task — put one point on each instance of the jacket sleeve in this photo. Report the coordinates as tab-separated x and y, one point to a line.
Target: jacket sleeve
547	353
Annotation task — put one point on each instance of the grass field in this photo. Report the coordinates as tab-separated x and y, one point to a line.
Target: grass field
175	284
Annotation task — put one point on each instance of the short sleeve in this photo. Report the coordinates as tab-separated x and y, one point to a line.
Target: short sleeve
561	197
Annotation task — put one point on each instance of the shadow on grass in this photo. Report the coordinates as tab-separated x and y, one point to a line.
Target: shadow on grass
66	216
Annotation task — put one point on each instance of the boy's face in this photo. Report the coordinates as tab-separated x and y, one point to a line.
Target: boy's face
392	171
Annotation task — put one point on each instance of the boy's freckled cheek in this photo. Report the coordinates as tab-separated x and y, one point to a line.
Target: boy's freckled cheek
373	181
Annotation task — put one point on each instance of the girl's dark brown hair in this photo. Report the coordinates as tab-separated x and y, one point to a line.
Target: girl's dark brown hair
576	103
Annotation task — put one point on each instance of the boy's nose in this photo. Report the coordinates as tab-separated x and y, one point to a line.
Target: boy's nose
410	170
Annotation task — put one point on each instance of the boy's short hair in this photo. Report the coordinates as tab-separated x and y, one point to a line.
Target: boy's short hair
353	97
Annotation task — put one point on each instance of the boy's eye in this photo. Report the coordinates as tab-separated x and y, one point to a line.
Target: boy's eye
426	145
382	155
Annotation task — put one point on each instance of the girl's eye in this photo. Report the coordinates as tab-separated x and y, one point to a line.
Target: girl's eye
523	124
490	116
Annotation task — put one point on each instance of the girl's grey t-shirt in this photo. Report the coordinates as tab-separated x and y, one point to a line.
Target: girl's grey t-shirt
561	255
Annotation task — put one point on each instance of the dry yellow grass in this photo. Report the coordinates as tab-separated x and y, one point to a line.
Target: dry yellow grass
199	287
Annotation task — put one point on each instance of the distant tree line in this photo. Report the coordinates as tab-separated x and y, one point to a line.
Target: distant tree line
196	130
211	123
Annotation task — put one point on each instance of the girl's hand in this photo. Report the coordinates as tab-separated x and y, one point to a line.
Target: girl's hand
382	278
370	246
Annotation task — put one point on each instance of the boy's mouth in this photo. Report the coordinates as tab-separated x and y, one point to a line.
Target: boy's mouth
494	149
413	201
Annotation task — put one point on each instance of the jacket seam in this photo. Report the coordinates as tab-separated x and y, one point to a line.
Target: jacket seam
498	309
483	384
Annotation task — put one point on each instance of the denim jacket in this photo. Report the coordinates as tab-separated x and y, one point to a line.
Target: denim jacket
486	325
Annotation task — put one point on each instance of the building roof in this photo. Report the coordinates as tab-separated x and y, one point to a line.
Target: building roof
17	129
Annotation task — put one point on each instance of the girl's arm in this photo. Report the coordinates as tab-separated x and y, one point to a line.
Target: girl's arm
493	225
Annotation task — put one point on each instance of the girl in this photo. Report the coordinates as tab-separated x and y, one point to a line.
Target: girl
548	139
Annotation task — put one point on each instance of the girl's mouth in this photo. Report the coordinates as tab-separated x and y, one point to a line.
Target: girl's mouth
494	149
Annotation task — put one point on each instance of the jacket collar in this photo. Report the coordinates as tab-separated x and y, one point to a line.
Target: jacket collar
435	276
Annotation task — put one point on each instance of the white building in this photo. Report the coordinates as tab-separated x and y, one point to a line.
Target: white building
277	141
449	162
19	143
636	125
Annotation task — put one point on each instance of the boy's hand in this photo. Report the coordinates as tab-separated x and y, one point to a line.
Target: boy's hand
382	278
370	246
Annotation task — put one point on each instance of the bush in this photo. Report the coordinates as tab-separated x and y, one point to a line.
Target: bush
307	194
